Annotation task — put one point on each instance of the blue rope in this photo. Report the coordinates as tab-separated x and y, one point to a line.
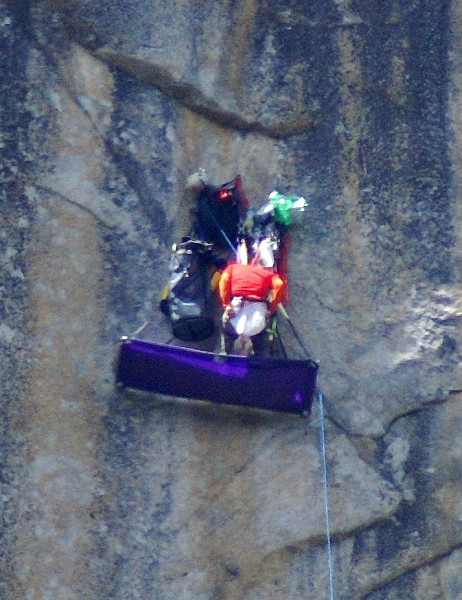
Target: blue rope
220	229
326	496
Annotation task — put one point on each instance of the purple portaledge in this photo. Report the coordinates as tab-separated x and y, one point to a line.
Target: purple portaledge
272	384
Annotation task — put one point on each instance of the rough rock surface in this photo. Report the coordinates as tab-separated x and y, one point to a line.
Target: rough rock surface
105	109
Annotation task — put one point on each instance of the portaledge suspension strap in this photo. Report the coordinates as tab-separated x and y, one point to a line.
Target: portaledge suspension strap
282	309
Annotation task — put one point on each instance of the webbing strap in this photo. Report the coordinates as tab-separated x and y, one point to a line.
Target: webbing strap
282	309
326	495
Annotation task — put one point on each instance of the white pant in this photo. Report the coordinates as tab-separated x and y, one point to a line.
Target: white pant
250	318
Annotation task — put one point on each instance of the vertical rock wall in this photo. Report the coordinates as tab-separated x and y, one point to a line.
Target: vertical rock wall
106	108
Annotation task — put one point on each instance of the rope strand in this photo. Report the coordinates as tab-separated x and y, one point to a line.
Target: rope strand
326	495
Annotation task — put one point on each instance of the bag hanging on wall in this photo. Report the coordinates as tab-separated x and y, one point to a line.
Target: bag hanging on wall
188	303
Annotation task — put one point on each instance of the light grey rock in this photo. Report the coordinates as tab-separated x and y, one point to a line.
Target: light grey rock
106	109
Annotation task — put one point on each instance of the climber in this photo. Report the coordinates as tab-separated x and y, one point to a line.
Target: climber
250	294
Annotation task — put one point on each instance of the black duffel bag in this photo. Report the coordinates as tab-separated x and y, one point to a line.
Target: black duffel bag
188	303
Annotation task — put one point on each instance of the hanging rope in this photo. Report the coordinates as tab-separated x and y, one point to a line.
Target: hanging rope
326	495
220	229
324	461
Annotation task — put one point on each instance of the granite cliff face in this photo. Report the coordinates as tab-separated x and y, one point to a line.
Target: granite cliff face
106	107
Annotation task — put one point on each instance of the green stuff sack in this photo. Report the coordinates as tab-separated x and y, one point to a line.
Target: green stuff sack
284	205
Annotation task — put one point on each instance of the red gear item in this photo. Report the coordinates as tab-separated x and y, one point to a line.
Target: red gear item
252	282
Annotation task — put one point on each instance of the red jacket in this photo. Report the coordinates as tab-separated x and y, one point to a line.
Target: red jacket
250	281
